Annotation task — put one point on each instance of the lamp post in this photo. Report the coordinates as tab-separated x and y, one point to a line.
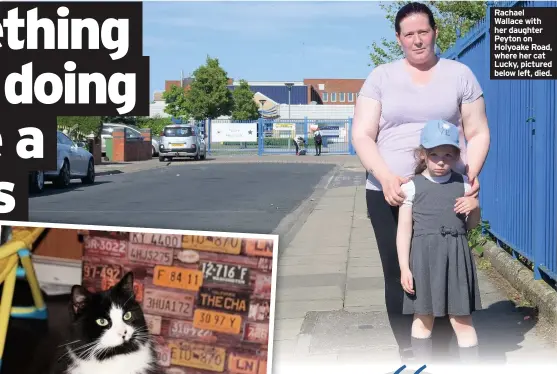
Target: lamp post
289	86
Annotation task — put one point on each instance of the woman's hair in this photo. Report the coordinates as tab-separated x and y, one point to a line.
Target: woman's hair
421	155
413	8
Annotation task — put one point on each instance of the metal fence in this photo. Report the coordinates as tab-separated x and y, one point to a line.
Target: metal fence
278	136
518	181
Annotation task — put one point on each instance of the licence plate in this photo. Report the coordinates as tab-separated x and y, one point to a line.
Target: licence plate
163	355
225	273
154	323
163	240
217	244
259	247
104	271
175	277
256	333
241	364
168	304
177	145
150	254
100	246
197	356
217	321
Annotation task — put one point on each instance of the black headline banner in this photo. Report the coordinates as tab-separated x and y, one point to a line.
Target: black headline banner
63	59
523	42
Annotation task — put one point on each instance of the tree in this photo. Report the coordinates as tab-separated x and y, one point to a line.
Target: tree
450	16
175	102
245	109
126	120
156	124
80	126
208	96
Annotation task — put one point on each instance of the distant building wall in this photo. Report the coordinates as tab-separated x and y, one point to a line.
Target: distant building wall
279	93
156	109
333	91
316	111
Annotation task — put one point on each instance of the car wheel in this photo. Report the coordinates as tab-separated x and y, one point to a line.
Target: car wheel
197	157
37	181
203	156
64	178
161	159
90	178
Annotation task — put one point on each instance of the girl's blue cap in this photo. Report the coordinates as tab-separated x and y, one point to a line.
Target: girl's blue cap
439	132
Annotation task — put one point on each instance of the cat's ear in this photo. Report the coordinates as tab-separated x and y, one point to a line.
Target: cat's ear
80	298
126	283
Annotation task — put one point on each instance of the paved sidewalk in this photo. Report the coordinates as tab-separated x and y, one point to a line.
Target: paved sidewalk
330	295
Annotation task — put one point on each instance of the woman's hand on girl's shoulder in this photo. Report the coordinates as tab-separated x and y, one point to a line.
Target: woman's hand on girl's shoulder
466	204
474	187
392	189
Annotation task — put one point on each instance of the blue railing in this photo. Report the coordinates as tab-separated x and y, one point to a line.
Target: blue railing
519	194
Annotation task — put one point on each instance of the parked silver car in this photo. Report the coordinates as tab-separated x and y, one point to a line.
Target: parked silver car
72	161
182	141
133	132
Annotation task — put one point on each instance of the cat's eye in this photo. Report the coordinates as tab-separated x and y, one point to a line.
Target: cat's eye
102	322
127	316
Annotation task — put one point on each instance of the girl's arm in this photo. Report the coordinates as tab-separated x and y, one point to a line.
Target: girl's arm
404	236
473	219
469	206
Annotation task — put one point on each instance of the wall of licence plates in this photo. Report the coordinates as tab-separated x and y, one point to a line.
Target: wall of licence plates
206	299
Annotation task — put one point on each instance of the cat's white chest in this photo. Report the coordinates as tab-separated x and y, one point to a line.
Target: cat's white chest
133	363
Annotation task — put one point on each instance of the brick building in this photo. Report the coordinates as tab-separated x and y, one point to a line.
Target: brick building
333	91
321	91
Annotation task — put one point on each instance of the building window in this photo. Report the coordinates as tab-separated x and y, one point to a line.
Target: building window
341	97
325	97
333	97
350	97
321	86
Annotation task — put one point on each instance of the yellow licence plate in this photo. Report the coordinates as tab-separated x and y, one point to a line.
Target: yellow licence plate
217	321
198	356
232	246
175	277
177	145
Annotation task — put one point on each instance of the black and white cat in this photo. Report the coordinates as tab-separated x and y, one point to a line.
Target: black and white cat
108	334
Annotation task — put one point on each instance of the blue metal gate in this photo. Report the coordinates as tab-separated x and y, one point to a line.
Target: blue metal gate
279	136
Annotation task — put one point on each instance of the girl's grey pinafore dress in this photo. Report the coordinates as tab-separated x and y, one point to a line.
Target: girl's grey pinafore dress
445	280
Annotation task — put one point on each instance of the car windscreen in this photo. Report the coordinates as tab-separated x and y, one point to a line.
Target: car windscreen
178	131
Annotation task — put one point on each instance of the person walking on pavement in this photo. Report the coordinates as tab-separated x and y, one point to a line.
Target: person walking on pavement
437	268
318	141
395	101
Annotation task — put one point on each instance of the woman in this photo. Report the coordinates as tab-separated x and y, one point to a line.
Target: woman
394	103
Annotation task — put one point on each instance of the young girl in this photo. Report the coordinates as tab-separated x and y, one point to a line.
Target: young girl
437	268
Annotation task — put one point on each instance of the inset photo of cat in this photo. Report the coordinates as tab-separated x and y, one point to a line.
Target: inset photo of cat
119	300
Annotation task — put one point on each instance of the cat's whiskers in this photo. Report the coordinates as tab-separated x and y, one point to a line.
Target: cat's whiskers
92	352
63	345
131	297
76	350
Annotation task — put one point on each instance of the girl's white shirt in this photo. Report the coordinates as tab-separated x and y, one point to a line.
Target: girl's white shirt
409	189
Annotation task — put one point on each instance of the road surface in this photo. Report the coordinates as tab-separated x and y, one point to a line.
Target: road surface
249	197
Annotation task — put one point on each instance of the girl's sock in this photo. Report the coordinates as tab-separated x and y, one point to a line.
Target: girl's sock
469	355
422	348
